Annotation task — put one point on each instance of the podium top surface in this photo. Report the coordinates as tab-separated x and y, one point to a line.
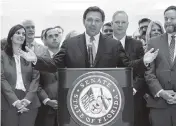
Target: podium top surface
95	69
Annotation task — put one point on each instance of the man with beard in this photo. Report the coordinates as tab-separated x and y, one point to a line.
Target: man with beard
161	75
47	93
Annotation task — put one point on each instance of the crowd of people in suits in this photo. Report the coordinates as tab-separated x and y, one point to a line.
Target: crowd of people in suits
29	77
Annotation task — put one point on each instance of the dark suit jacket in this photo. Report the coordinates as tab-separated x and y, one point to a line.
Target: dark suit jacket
134	50
8	82
161	74
49	84
73	54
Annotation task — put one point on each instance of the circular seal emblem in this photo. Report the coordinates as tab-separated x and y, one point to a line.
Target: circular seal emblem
95	99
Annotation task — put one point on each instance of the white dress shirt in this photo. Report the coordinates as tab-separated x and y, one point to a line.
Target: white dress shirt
19	81
122	40
96	41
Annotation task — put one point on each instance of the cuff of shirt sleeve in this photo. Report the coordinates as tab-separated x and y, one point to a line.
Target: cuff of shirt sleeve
157	94
14	104
46	100
134	90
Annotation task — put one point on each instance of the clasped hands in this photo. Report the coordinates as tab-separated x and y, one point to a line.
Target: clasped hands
21	105
169	96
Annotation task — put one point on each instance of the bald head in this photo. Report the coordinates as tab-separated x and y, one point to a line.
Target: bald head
120	23
30	29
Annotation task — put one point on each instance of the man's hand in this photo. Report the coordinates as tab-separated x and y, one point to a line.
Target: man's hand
19	105
21	108
24	109
29	55
150	56
166	95
53	104
172	101
25	102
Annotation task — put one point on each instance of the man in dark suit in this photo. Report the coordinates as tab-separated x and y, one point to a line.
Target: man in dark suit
134	50
47	93
90	49
161	75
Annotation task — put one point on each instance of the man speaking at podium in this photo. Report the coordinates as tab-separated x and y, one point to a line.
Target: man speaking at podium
90	49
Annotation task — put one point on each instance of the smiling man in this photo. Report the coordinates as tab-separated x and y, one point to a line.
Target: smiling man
30	38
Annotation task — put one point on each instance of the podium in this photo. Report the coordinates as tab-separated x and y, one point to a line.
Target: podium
95	97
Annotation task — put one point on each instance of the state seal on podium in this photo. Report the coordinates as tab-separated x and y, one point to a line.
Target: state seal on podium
95	99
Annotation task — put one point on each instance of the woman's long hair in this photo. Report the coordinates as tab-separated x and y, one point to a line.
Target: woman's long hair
148	32
9	49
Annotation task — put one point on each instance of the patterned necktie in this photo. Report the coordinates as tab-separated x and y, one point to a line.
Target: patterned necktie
91	51
172	48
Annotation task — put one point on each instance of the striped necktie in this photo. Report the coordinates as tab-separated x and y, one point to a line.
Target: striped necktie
172	48
91	51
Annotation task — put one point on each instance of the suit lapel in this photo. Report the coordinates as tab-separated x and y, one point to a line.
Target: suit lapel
174	62
165	48
47	55
82	47
100	50
127	46
81	44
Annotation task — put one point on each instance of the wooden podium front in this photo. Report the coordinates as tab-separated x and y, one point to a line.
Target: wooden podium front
95	97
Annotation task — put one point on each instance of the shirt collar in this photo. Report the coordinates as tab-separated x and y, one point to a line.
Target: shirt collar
51	53
123	39
97	37
169	37
32	43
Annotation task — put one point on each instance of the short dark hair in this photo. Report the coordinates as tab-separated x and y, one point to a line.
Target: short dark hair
42	34
107	24
94	9
60	28
170	8
45	34
144	20
9	49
